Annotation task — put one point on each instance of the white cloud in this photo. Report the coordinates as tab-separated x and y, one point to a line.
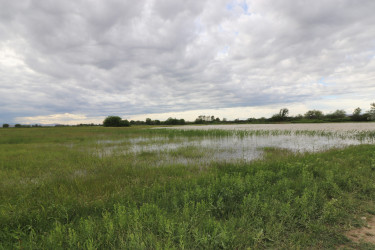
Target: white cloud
66	119
100	58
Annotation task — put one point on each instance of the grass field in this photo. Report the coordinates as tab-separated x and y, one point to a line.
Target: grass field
86	188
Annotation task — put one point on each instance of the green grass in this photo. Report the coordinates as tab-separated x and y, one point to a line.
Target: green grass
55	193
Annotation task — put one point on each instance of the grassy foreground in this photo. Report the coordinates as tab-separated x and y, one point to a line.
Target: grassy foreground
56	194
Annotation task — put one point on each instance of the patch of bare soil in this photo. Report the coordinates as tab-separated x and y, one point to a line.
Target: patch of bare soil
363	234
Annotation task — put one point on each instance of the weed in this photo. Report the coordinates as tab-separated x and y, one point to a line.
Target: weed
58	196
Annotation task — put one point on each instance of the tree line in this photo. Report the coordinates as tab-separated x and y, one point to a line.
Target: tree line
339	115
282	116
116	121
310	116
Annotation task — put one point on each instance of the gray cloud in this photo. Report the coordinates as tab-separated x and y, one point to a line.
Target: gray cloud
132	57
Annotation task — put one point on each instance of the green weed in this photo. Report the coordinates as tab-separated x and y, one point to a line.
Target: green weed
55	193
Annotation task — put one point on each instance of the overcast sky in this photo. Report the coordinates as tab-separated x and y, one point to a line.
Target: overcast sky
81	60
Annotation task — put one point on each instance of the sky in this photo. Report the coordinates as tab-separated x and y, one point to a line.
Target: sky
78	61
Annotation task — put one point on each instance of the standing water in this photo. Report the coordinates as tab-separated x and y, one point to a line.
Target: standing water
238	145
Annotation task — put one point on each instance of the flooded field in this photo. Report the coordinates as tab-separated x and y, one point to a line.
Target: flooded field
333	127
207	144
144	188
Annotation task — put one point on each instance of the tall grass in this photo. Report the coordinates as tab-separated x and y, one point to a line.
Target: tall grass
55	194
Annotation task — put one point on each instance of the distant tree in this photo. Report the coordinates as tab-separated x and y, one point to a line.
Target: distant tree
200	119
174	121
171	121
275	118
181	122
262	119
281	116
138	122
148	121
125	123
206	118
314	114
284	113
338	114
356	114
372	112
357	111
17	125
5	125
112	121
115	121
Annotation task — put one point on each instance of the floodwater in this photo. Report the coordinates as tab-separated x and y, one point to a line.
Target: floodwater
331	127
229	148
250	147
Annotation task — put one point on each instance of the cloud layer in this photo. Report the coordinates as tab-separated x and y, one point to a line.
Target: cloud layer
113	57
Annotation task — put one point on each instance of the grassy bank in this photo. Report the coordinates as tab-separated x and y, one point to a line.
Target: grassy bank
56	193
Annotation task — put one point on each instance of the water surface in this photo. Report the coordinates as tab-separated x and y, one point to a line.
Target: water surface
206	149
341	126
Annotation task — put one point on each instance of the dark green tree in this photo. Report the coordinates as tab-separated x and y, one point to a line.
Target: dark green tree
281	116
174	121
112	121
337	115
148	121
199	120
5	125
314	114
284	113
115	121
372	112
125	123
357	111
356	114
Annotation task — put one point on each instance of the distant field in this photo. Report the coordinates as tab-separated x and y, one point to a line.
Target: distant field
271	186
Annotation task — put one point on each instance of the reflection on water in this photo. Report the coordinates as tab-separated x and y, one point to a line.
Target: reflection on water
199	150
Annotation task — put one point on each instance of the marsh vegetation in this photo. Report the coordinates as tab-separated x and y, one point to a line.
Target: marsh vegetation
95	187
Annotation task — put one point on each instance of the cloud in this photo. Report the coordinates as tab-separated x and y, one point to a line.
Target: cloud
100	58
66	119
